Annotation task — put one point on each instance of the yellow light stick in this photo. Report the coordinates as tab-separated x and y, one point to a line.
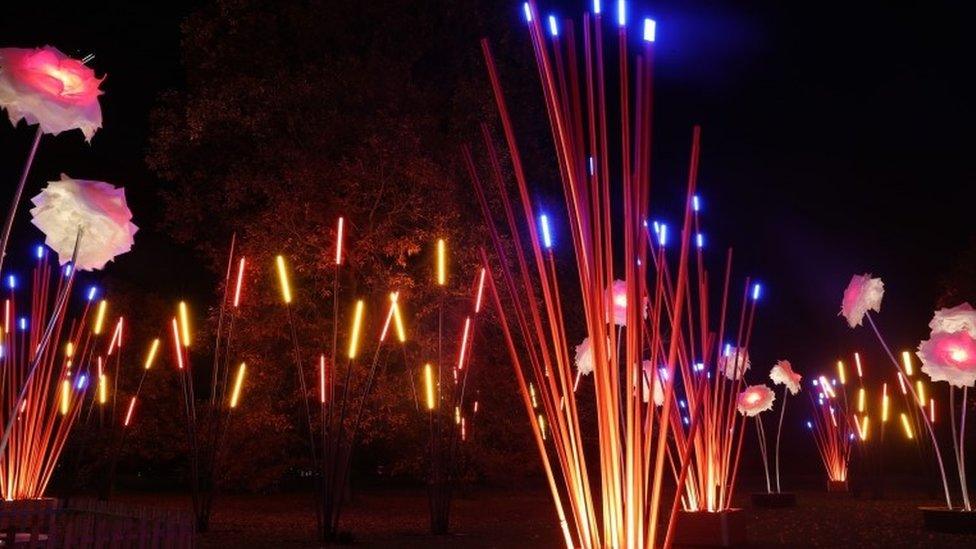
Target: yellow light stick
864	433
65	397
283	280
429	385
920	391
860	400
102	389
441	262
840	373
357	323
184	324
906	360
908	428
457	415
857	362
398	321
100	317
884	404
153	349
535	404
69	350
932	410
6	316
128	413
240	283
238	382
542	426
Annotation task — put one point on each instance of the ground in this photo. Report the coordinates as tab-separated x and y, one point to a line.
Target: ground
497	518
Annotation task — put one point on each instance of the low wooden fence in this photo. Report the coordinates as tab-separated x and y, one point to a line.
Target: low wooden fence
88	523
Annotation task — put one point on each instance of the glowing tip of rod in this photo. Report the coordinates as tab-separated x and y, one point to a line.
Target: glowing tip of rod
528	12
650	30
596	6
553	26
11	282
756	291
546	234
40	251
700	240
663	234
695	201
92	292
621	13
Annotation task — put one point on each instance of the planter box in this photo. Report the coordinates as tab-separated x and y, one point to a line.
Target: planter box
951	521
774	501
703	529
837	486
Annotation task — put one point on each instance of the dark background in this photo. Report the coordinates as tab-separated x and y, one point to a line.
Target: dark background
837	139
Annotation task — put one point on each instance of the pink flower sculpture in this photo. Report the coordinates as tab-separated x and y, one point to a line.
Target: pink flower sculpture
734	362
950	352
44	86
956	319
862	294
755	399
96	209
584	357
783	374
618	303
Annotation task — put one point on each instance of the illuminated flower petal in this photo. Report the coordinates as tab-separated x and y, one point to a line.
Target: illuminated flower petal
617	308
96	208
44	86
734	362
956	319
783	374
862	294
658	388
949	356
754	400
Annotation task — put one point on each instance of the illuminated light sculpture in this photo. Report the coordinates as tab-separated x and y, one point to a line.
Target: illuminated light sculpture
782	374
834	430
620	501
238	383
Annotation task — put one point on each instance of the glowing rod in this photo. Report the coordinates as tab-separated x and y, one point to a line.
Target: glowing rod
184	324
441	262
398	323
429	385
901	383
128	413
116	337
920	390
860	400
102	389
322	378
65	396
841	373
542	426
338	257
240	283
908	428
857	362
389	316
153	348
650	33
238	382
906	359
100	317
283	280
357	322
176	344
464	343
481	290
546	235
932	410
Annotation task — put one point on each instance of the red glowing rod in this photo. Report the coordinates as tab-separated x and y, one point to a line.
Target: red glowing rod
128	414
322	378
176	343
464	343
240	283
481	288
116	337
339	243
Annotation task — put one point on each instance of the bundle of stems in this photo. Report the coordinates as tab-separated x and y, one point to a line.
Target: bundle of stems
833	427
206	429
444	400
44	371
695	435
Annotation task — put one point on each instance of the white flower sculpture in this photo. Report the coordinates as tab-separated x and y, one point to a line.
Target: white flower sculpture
754	400
950	352
863	293
584	357
44	86
96	209
658	388
783	374
734	362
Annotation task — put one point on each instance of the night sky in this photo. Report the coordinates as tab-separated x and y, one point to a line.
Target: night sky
837	140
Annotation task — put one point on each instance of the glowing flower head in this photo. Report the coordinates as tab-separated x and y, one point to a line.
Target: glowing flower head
658	388
617	308
862	294
734	362
783	374
949	356
584	357
95	208
754	400
961	318
44	86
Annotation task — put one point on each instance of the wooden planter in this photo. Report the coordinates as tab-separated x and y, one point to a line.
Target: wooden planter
774	501
837	486
950	521
704	529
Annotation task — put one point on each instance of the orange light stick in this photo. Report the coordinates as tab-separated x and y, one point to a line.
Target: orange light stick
857	362
322	378
441	262
238	382
102	389
920	391
176	345
464	343
184	324
128	413
240	283
283	280
481	289
100	317
932	410
429	385
153	349
356	326
906	360
908	428
840	373
338	256
65	397
860	400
